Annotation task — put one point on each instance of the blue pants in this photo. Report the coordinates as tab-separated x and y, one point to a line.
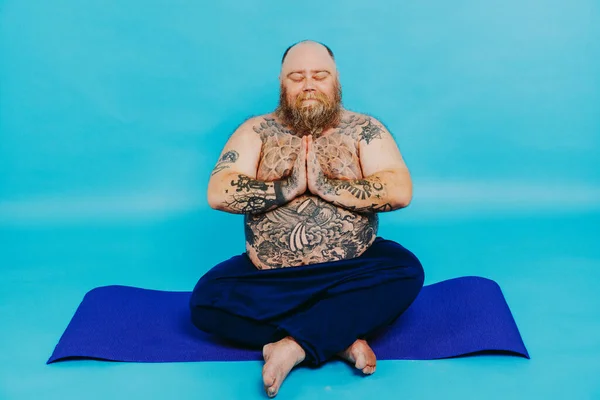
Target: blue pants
325	307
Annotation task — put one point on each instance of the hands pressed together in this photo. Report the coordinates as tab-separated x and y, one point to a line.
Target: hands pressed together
307	172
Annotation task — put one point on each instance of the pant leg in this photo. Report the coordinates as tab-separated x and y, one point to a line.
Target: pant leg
241	330
325	307
210	313
335	322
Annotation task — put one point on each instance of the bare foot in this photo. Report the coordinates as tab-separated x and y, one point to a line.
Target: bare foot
361	355
280	357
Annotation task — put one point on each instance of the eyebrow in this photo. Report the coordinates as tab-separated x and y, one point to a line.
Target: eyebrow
312	71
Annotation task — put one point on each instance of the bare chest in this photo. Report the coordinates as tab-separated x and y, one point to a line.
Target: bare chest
337	153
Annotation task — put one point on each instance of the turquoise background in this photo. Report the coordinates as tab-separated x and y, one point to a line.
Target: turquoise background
113	113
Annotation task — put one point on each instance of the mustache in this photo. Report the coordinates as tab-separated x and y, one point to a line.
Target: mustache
312	96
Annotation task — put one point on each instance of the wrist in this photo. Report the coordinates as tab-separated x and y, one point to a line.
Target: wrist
288	189
323	184
325	191
280	192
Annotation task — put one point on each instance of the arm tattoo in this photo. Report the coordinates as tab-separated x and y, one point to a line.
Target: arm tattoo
362	189
251	203
228	158
370	132
244	183
373	208
252	196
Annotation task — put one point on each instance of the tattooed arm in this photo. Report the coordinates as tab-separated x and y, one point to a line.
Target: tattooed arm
233	186
386	185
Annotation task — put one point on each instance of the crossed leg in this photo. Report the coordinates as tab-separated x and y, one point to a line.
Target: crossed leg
337	322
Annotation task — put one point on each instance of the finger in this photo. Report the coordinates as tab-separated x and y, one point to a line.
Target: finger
311	151
303	149
305	152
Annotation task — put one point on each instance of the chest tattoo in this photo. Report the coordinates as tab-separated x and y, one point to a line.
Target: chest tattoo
337	151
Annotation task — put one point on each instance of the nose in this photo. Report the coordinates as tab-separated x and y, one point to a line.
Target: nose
309	85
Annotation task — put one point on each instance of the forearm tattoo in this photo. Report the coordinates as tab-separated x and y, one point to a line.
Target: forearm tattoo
373	208
253	196
245	183
225	162
362	189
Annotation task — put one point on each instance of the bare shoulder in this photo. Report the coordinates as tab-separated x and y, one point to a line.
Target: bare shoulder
242	151
253	128
363	127
250	123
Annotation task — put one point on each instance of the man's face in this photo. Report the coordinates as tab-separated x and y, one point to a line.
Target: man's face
310	98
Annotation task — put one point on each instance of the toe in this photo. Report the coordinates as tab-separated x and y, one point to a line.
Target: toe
268	377
361	361
271	388
271	380
272	391
370	369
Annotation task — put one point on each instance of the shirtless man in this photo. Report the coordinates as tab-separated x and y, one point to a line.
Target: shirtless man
310	178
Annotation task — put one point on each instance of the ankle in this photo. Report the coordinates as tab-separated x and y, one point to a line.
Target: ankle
297	348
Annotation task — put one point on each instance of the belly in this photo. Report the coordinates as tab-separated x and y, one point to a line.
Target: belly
305	231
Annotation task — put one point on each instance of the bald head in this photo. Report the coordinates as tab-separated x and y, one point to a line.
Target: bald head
304	42
308	55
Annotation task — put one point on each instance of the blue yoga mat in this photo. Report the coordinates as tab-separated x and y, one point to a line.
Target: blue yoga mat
450	318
